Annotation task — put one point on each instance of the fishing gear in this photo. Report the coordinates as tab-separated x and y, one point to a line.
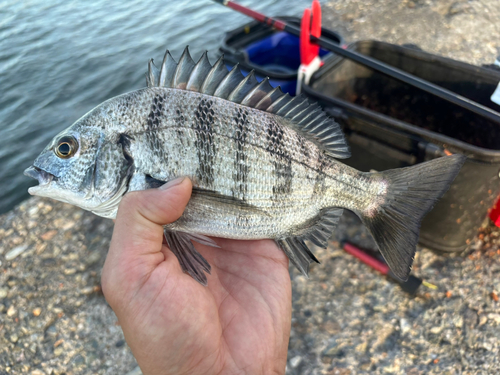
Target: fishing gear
370	62
410	286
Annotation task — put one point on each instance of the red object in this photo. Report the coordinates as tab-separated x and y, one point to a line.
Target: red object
495	213
308	50
277	24
366	258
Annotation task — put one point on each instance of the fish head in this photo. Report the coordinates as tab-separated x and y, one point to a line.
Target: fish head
84	165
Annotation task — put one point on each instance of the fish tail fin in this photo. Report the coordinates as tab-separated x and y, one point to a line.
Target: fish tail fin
411	194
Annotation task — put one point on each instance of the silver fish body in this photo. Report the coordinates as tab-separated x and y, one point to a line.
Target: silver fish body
262	164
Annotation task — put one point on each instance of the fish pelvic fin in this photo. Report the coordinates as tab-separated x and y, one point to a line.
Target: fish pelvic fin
190	260
412	193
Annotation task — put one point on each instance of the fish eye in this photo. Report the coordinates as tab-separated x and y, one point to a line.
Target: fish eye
66	147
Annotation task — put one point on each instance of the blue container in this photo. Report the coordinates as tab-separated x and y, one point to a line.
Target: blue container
271	53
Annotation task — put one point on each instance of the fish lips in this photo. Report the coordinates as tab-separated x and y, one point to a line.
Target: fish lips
44	178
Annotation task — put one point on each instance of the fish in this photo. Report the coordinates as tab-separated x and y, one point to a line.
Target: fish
264	165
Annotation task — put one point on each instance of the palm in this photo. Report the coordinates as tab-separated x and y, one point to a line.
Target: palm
239	323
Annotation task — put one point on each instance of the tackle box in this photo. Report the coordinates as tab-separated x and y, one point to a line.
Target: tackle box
271	53
390	124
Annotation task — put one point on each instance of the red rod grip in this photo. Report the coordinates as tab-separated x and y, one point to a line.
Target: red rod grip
256	15
367	259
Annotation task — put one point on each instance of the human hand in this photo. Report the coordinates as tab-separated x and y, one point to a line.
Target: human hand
238	324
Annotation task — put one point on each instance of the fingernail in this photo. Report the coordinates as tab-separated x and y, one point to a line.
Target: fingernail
172	183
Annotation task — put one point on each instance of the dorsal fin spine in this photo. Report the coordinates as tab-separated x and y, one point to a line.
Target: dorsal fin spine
153	73
229	82
214	77
184	68
241	90
255	95
263	103
199	73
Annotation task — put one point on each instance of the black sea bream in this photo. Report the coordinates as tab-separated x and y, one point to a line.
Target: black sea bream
263	165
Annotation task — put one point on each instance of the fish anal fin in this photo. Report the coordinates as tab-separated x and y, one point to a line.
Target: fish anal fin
317	230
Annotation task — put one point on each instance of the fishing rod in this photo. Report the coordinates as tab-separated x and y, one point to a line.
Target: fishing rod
370	62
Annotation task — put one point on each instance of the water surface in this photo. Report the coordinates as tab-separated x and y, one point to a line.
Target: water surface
60	58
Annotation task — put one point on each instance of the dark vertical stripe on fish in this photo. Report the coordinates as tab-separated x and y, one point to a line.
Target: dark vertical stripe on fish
319	184
203	127
304	150
154	117
153	122
240	163
282	160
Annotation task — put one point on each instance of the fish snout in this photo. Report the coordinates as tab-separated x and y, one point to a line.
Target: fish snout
43	177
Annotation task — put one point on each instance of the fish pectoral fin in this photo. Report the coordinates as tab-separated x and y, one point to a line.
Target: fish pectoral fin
211	197
190	260
317	230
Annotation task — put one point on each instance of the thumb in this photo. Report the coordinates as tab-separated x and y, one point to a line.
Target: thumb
142	214
136	245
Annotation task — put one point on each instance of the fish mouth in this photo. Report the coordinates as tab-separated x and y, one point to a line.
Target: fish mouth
44	178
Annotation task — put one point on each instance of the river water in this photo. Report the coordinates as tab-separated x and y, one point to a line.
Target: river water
61	58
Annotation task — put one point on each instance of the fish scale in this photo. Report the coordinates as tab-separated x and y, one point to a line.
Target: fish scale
263	165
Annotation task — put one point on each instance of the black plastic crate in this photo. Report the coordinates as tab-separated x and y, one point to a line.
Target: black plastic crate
391	124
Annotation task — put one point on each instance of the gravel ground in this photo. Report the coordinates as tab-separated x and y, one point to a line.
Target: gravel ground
346	318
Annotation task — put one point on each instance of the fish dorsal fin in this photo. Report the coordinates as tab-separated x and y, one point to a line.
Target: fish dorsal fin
214	77
153	74
255	95
243	88
200	71
167	71
183	71
306	118
229	82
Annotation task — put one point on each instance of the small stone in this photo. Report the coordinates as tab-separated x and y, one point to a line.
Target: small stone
37	372
482	320
120	343
58	342
33	211
405	326
494	317
94	257
69	271
361	348
3	292
58	351
47	236
14	338
11	311
37	311
436	330
40	248
15	252
68	225
2	307
87	290
458	321
295	361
